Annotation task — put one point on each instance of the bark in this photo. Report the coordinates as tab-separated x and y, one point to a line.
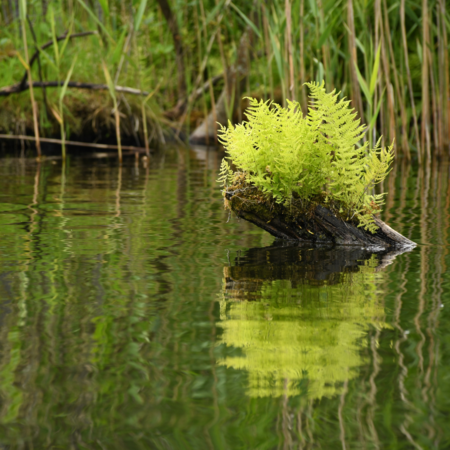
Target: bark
318	225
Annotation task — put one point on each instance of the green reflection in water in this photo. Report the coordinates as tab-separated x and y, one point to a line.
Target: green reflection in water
110	317
299	332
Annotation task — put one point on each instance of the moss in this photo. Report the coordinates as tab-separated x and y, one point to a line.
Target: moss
243	196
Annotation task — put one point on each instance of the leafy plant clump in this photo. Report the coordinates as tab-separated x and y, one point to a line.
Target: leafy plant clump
312	159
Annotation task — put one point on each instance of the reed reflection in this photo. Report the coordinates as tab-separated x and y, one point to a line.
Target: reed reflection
300	316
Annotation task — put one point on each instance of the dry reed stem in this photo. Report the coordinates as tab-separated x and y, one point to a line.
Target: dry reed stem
385	65
404	142
291	82
211	90
267	49
325	49
444	97
302	57
408	75
353	60
434	95
446	66
425	137
30	82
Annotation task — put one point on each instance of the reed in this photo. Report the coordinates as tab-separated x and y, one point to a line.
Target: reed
112	92
26	63
390	59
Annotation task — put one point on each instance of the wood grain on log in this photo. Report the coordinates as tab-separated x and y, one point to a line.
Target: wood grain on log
319	225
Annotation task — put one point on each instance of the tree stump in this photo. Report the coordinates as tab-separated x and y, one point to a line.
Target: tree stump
318	224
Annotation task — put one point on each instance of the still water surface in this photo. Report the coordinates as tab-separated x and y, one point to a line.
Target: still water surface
134	316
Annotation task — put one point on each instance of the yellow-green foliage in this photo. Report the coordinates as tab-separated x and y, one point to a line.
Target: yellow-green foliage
319	340
316	156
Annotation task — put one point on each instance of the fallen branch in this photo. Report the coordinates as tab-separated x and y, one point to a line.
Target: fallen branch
16	88
73	143
179	109
49	44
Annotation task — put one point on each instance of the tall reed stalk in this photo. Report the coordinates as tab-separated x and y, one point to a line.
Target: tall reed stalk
188	45
112	93
23	15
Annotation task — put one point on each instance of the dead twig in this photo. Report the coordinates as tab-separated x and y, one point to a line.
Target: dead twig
73	143
18	87
49	44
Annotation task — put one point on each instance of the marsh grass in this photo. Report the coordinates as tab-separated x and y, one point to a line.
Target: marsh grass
390	59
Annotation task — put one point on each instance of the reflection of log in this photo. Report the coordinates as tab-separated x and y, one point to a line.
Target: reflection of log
314	266
296	319
319	226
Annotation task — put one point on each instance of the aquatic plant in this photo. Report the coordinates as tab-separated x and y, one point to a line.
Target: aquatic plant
314	158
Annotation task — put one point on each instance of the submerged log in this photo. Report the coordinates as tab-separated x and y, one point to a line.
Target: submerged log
317	224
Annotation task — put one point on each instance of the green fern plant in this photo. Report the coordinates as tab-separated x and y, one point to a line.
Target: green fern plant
314	158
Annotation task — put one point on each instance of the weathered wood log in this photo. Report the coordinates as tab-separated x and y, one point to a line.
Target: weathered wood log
316	225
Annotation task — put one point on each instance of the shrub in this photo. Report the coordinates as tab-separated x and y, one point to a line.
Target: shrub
315	158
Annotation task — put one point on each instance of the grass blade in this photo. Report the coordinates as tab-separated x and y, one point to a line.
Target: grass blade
374	77
66	81
139	15
107	33
363	85
105	6
246	20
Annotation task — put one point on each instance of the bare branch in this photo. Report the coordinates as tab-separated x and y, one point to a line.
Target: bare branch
16	88
49	44
132	149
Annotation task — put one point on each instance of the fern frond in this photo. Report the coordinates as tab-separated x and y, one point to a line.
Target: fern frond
282	153
225	174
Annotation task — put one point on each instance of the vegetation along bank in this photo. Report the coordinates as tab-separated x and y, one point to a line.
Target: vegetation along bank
141	71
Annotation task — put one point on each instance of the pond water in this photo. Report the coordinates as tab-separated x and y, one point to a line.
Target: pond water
135	314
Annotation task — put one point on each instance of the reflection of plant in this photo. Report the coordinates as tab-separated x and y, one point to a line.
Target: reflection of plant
314	158
307	334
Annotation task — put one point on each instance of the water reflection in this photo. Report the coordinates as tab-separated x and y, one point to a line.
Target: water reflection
111	326
300	317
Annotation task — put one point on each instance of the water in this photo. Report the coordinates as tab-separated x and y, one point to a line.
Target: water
134	316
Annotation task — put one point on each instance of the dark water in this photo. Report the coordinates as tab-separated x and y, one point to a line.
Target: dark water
133	316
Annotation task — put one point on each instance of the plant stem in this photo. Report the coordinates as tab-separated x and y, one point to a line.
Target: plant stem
30	80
